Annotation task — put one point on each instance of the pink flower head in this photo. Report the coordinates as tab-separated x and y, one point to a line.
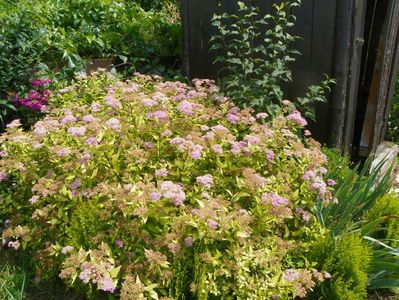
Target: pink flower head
77	131
155	196
166	133
161	172
159	115
3	176
119	243
188	242
286	102
262	115
307	133
331	182
106	284
88	119
296	117
95	107
270	155
290	275
69	118
14	124
173	192
66	249
309	175
91	141
113	123
64	152
186	107
34	199
196	152
15	244
232	118
217	149
206	181
275	199
149	102
40	131
77	183
112	101
212	224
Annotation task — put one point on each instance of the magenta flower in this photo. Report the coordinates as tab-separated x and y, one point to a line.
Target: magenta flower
159	115
88	119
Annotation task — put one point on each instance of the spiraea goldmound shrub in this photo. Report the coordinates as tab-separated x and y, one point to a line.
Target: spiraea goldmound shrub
161	190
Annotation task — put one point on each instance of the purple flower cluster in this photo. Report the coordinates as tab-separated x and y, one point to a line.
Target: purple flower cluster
291	275
206	181
41	82
37	98
173	192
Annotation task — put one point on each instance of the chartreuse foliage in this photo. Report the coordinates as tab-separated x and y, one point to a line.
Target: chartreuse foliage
150	189
349	263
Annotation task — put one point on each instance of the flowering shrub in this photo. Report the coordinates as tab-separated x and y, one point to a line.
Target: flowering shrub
161	190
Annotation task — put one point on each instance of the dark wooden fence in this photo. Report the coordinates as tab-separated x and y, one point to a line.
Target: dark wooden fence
336	36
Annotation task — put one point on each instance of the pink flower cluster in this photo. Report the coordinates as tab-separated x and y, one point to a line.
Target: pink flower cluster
173	192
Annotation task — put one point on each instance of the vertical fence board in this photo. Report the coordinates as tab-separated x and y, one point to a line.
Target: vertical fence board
324	13
196	46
